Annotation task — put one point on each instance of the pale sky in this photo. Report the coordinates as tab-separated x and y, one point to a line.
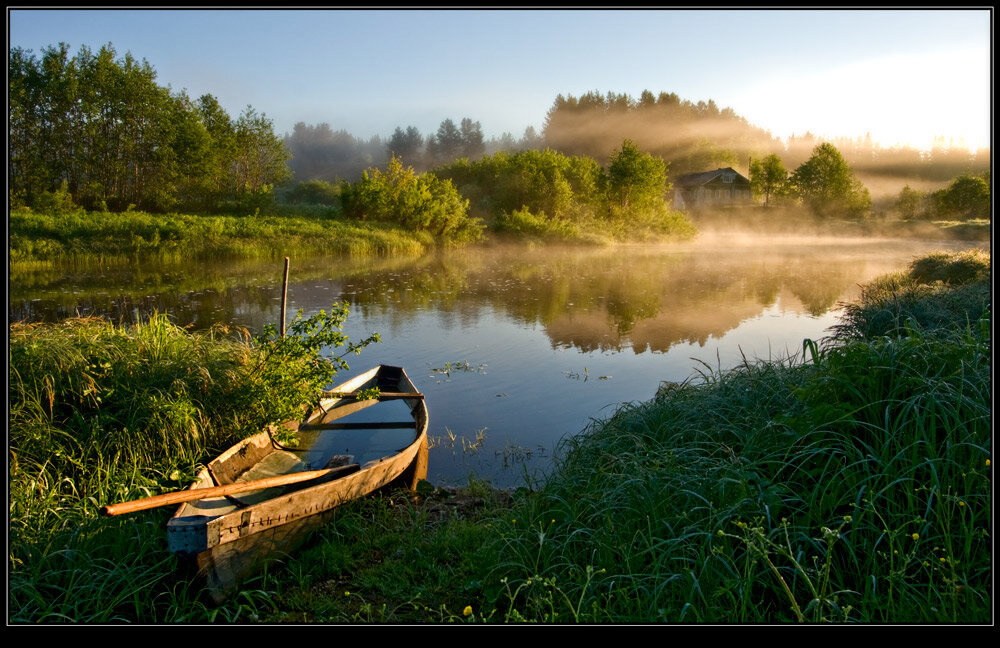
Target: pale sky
903	75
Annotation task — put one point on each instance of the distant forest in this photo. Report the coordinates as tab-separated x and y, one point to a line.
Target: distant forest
690	136
98	130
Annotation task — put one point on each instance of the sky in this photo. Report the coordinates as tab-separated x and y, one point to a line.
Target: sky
904	76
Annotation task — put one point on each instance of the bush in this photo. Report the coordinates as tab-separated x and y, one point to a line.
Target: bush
420	202
967	197
522	222
313	192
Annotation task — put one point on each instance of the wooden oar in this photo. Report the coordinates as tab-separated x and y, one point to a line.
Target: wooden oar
178	497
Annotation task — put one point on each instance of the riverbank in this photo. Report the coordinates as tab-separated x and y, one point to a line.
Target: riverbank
850	484
46	240
40	239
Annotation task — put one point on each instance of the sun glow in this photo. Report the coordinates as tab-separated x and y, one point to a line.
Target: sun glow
902	100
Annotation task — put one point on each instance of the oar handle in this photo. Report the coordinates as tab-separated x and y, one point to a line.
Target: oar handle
179	497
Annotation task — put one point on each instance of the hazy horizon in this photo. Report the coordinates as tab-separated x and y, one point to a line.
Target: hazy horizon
902	76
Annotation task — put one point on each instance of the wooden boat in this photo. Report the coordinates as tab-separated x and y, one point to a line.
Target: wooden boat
229	537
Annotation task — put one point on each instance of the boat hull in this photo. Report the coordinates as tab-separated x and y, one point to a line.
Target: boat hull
230	538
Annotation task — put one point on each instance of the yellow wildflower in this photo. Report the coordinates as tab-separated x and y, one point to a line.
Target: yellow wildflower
467	611
916	536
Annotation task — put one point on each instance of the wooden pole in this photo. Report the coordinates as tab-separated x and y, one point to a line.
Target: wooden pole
284	297
179	497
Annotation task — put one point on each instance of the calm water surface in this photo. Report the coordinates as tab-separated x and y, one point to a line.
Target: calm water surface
515	348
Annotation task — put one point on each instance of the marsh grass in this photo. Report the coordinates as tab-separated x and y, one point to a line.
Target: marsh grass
848	484
101	413
37	239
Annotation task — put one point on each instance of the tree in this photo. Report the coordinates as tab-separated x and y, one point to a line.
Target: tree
828	185
260	159
472	139
908	203
420	202
636	179
968	196
768	177
446	145
406	145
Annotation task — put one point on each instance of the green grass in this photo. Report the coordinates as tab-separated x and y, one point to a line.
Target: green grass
850	483
87	236
102	413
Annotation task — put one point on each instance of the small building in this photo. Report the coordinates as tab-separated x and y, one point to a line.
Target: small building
720	188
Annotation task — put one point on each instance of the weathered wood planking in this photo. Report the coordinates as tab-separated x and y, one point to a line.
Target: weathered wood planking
230	539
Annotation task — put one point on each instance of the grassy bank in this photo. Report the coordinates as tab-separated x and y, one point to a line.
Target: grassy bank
95	236
39	240
101	413
851	484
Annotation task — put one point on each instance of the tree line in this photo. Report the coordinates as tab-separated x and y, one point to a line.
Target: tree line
98	128
829	186
319	153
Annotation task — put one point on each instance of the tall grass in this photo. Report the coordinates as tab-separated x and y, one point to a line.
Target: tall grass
102	413
44	238
849	484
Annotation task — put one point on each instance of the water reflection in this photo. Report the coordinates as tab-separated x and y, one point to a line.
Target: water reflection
643	298
562	335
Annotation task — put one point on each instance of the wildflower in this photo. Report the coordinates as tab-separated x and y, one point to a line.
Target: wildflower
915	536
987	463
346	593
943	559
961	503
467	611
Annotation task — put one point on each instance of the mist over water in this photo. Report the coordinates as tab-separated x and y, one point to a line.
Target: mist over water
517	347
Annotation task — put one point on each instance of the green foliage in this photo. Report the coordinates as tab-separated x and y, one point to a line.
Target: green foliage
519	192
421	202
909	203
60	236
768	177
313	192
636	180
102	413
561	187
953	268
828	185
293	365
522	223
854	487
103	125
967	197
939	289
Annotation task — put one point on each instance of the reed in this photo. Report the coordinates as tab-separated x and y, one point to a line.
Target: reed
37	238
102	413
848	484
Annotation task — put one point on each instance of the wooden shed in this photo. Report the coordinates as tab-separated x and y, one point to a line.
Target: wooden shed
720	188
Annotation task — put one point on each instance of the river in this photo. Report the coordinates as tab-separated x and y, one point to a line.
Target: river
515	348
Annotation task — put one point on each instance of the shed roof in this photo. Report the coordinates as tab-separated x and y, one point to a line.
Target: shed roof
704	177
